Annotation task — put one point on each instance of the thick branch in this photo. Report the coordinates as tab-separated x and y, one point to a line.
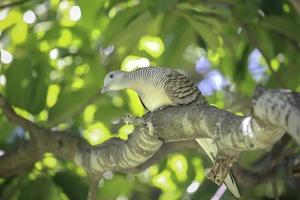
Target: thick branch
14	161
12	4
296	5
231	134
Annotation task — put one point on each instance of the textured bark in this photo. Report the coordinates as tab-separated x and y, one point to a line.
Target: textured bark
274	113
279	108
296	5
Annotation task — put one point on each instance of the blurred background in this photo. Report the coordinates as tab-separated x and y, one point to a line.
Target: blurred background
55	54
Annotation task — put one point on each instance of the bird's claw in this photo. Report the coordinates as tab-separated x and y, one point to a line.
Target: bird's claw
129	119
221	167
162	107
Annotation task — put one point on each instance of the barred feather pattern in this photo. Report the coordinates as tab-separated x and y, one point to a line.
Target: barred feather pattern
159	86
175	86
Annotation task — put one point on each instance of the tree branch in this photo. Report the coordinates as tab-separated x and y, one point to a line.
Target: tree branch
274	113
12	4
296	5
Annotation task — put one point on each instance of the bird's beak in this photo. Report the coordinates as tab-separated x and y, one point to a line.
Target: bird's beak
104	89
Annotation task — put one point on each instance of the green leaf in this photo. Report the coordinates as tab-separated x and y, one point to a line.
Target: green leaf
263	40
27	81
16	37
6	128
68	103
158	6
204	29
41	188
283	25
128	26
109	191
73	185
89	14
177	35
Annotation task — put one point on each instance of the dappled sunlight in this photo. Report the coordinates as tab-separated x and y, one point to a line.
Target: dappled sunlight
43	115
96	133
47	164
3	14
76	169
214	56
197	163
40	28
2	80
117	101
16	37
194	53
164	181
62	63
134	103
82	69
286	8
77	83
176	194
66	38
152	170
68	14
6	57
29	17
9	18
132	62
122	198
2	152
75	13
193	187
53	92
108	175
178	164
56	53
125	130
24	113
50	161
152	45
88	114
44	46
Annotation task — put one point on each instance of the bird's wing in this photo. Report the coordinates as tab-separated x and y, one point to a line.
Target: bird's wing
210	150
180	89
141	100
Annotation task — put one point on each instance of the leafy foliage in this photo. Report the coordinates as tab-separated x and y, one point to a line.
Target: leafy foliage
54	55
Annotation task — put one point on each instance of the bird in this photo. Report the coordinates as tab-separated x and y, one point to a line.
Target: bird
160	87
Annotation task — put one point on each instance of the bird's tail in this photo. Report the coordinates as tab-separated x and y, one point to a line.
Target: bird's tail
210	150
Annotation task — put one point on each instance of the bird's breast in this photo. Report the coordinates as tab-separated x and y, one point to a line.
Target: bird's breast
154	97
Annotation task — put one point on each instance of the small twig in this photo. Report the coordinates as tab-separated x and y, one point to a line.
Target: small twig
12	4
94	180
13	117
275	189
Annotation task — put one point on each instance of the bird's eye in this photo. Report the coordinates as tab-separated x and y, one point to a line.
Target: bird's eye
111	76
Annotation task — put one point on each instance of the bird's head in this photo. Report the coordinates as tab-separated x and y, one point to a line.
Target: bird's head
114	81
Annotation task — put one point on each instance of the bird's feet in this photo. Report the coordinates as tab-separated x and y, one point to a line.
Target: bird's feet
129	119
221	167
163	107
